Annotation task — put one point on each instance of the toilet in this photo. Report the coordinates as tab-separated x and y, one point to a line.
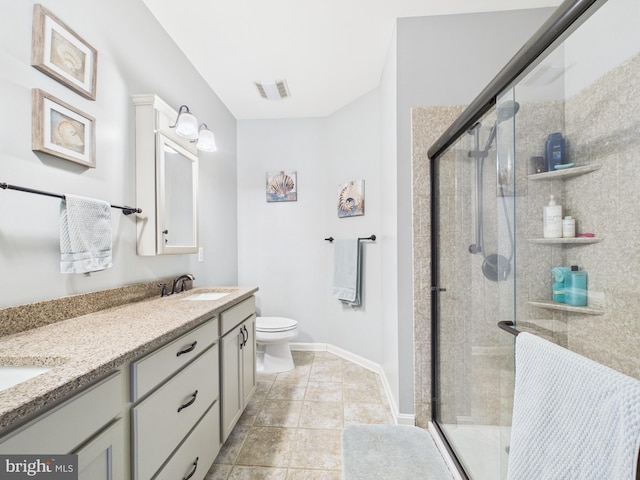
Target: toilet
273	335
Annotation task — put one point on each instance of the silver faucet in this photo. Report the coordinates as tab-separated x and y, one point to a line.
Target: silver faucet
181	278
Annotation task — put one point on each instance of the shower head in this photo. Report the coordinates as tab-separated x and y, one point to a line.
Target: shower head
505	111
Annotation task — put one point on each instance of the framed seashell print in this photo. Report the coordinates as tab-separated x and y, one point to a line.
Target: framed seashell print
62	130
60	53
351	199
282	186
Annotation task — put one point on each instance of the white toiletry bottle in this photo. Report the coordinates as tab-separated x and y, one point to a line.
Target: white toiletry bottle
568	227
552	219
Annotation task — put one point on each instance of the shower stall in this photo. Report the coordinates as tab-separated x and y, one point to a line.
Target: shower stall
490	262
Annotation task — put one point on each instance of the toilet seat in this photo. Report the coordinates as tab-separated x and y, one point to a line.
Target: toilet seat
275	324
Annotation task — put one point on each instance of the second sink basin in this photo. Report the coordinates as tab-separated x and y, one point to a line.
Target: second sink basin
10	376
207	296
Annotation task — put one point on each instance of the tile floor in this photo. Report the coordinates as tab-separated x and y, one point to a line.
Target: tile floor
291	429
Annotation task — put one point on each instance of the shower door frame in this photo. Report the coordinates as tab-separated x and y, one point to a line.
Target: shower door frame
553	30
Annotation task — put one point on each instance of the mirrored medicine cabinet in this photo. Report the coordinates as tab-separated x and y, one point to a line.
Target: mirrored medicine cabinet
166	181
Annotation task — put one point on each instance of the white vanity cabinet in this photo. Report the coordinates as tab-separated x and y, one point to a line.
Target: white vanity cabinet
87	424
238	362
177	390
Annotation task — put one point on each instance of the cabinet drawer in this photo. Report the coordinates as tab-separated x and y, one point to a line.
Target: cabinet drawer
162	420
202	444
150	371
236	314
65	427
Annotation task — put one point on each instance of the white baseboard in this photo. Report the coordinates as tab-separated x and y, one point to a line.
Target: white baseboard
308	347
444	452
399	418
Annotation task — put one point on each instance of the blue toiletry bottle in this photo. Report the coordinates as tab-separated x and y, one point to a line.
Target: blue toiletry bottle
555	151
559	275
575	287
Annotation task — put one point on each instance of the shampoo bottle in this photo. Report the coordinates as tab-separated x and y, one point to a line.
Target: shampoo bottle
568	227
552	219
554	151
559	275
575	287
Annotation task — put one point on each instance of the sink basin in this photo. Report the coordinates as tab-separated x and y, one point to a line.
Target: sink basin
10	376
207	296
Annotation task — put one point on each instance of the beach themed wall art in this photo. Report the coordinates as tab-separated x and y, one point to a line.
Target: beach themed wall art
62	130
351	199
282	186
60	53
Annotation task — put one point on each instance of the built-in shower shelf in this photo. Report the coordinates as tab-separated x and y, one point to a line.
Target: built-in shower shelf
566	308
567	241
564	173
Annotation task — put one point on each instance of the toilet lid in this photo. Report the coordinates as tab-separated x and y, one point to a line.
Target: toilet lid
275	324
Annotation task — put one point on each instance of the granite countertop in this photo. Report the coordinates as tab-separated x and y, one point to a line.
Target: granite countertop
83	349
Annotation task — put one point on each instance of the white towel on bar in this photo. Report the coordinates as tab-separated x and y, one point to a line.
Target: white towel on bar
573	418
346	271
85	235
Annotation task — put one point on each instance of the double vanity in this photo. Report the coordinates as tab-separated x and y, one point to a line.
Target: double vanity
148	389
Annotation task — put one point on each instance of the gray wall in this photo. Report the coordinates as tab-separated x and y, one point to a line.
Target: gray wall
135	55
443	60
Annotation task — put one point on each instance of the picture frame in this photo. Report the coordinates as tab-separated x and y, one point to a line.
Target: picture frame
62	54
351	199
282	186
61	130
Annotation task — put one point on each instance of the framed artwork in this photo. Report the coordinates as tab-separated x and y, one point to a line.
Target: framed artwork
61	130
351	199
60	53
282	186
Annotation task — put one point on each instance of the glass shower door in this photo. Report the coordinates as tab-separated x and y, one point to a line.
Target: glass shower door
473	192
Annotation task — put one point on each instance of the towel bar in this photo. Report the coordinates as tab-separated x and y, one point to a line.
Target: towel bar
372	238
507	326
5	186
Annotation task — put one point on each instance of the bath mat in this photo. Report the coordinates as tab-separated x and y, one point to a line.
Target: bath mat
390	452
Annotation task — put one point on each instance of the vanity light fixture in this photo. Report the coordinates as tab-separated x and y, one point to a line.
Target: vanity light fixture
186	126
206	139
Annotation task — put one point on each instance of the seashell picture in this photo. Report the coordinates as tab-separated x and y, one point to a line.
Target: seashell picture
351	199
282	186
62	130
62	54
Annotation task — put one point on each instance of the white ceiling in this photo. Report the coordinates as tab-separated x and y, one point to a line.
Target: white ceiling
329	51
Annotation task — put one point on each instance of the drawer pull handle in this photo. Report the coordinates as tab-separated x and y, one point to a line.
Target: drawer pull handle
188	349
195	467
242	341
247	338
190	402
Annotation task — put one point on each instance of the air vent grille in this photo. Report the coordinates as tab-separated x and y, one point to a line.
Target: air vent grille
273	89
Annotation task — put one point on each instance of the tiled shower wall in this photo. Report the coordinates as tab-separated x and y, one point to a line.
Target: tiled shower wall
428	123
602	126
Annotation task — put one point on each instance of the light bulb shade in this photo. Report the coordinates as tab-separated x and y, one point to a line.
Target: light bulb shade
207	140
187	126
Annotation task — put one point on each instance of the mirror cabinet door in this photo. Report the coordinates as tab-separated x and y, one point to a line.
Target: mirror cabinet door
177	193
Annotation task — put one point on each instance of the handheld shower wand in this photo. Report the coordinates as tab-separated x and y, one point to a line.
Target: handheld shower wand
495	267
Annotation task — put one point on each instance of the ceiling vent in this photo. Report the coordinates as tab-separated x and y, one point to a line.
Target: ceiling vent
273	89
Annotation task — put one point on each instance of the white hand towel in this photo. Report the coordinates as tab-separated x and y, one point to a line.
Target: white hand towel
346	271
573	418
85	235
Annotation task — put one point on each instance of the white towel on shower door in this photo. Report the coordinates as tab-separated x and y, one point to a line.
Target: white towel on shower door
573	418
85	235
347	281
